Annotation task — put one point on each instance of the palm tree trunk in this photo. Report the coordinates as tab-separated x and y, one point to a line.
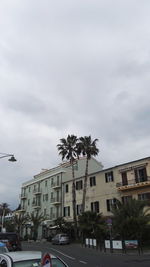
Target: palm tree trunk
3	217
74	199
85	185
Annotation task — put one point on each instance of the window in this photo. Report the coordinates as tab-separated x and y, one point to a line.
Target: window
125	199
124	178
52	195
66	188
140	175
79	209
95	206
92	181
109	177
29	188
28	202
110	203
144	196
44	211
66	211
51	211
45	197
52	181
57	180
45	183
79	185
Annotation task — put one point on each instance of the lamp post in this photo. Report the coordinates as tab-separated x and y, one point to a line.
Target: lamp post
12	159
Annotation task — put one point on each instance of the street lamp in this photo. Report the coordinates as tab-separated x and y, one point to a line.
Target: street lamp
11	157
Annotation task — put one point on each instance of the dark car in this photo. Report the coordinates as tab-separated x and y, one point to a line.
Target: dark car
11	240
60	239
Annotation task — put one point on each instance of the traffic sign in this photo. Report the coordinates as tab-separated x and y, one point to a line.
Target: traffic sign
46	260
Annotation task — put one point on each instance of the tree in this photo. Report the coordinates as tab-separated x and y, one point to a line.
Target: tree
92	225
87	147
68	150
4	210
59	222
130	219
19	221
36	220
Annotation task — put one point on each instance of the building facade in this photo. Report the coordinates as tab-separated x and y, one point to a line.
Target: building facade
44	193
50	192
122	182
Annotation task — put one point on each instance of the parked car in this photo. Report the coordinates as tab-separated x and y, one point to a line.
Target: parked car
3	248
60	239
11	240
27	259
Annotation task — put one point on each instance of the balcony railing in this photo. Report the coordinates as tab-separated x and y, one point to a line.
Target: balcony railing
23	195
133	184
37	191
36	204
22	209
56	185
56	200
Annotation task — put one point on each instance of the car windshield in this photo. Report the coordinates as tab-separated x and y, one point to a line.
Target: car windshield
37	263
28	263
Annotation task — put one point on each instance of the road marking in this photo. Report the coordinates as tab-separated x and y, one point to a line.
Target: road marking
84	262
63	254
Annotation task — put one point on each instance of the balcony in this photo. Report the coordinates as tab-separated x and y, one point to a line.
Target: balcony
56	200
22	209
55	185
37	191
23	196
132	184
36	205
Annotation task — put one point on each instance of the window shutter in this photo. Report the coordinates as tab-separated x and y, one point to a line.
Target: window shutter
106	180
112	176
136	176
97	206
108	205
64	212
68	210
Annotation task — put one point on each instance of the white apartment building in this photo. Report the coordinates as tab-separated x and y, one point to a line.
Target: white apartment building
44	193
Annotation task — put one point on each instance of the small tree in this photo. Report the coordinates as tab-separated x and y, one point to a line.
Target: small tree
92	225
36	220
19	221
130	219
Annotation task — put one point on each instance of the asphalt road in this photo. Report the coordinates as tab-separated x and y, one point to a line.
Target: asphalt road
77	256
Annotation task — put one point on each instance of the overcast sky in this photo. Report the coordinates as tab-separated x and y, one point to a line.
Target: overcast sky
72	67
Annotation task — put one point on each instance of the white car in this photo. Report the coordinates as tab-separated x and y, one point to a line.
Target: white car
3	248
27	259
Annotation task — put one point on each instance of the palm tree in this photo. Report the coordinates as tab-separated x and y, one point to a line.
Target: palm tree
130	219
36	219
93	225
88	148
4	210
68	150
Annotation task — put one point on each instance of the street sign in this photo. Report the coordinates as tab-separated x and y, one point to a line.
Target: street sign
46	260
